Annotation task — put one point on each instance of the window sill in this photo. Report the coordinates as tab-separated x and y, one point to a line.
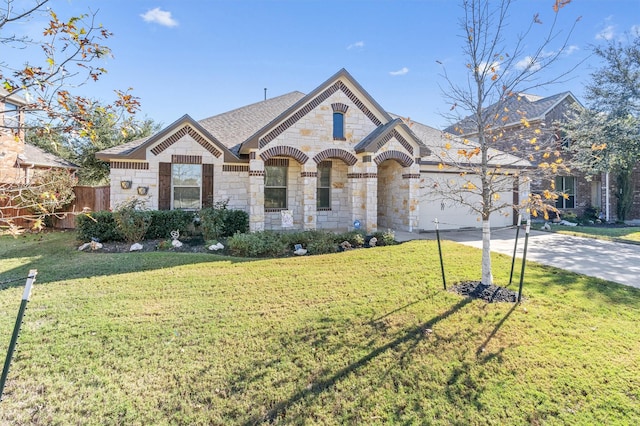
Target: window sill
323	209
274	210
339	139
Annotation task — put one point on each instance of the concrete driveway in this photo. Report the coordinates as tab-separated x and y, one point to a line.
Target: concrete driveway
618	262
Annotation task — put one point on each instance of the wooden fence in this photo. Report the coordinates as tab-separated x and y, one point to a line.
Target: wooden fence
92	198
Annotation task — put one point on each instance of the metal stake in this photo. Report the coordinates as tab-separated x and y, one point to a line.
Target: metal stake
16	329
515	247
524	258
444	281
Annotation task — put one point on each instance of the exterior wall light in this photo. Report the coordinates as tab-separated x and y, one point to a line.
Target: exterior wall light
125	184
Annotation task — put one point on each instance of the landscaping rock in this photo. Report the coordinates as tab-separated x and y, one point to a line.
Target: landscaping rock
136	247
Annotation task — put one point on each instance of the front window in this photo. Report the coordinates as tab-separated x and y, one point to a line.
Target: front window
566	186
275	187
11	116
338	125
186	181
323	192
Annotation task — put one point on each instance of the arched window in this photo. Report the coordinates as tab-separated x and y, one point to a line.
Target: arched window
338	125
339	112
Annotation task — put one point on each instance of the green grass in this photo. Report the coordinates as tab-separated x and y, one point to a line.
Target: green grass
177	338
629	234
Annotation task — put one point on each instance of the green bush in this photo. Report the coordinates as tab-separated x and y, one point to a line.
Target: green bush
219	222
386	238
99	225
355	238
323	243
257	244
132	221
235	221
165	221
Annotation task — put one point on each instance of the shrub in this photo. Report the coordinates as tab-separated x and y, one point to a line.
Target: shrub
256	244
386	238
355	238
219	222
165	221
323	243
99	225
235	221
132	221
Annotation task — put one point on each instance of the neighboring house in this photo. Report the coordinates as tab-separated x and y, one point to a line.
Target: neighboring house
540	113
19	161
331	159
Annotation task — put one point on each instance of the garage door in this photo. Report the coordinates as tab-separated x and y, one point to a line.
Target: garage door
453	215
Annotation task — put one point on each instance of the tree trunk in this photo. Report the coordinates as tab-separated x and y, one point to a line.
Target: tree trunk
487	277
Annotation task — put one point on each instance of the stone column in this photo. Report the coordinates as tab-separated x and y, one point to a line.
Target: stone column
309	176
363	192
256	193
412	176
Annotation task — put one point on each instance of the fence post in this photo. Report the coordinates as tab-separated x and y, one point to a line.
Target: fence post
16	329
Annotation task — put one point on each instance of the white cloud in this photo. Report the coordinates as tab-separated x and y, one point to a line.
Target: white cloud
402	71
606	34
492	67
159	16
571	49
356	45
527	63
635	30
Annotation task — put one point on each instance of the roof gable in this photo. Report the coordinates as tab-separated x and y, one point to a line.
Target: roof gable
342	81
531	107
185	125
379	137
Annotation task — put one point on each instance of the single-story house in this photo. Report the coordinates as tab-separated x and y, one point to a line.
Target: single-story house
330	159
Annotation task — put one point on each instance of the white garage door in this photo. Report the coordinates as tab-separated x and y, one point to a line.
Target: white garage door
452	215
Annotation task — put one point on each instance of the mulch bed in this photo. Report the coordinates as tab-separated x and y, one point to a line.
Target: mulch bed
488	293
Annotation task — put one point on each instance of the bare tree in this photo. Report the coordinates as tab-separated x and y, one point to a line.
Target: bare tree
500	69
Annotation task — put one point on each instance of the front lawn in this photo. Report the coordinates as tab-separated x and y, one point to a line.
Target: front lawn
611	233
366	336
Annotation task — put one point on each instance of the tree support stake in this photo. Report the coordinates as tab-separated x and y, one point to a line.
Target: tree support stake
16	329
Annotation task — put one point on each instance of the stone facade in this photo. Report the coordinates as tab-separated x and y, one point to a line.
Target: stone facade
374	174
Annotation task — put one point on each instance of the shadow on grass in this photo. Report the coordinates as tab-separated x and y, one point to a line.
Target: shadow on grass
56	258
414	335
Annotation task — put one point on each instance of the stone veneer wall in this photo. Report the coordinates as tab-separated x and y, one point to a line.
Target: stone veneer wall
339	217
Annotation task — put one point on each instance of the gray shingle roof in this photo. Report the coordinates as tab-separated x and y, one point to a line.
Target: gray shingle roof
436	140
34	156
234	127
532	107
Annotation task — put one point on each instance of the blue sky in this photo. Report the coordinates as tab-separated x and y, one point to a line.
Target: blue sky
206	57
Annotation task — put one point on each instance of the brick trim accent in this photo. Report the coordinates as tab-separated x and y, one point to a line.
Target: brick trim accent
256	172
285	151
129	165
361	175
403	141
338	85
411	176
309	174
281	162
235	168
252	155
340	107
186	159
366	158
186	130
343	155
394	134
400	157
